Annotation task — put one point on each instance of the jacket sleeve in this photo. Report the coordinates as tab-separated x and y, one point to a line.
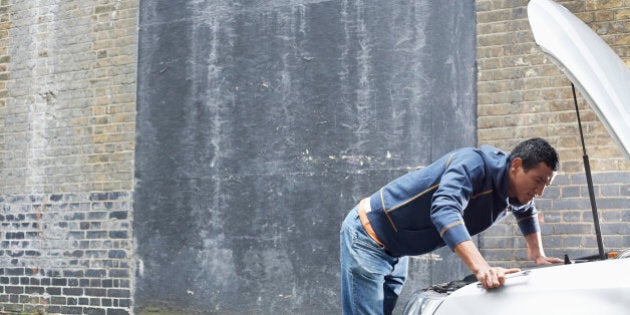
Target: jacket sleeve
452	195
527	219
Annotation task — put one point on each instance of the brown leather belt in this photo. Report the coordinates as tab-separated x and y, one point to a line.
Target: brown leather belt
364	208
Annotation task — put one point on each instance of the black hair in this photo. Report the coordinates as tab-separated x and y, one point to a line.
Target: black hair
533	151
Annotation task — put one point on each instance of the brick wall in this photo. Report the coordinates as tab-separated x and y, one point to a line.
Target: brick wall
67	128
521	94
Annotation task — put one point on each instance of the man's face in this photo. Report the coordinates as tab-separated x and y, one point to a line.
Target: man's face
524	186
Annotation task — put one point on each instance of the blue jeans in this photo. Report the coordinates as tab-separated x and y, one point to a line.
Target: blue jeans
371	279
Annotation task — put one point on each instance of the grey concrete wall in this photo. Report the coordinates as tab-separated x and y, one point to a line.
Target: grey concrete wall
260	124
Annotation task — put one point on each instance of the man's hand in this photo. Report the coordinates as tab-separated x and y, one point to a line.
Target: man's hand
536	252
489	277
544	260
493	277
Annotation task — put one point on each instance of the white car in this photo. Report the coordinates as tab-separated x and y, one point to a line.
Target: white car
593	285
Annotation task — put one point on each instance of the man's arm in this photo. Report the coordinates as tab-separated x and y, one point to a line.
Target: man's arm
489	277
536	252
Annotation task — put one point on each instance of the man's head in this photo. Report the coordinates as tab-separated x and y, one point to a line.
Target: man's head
533	164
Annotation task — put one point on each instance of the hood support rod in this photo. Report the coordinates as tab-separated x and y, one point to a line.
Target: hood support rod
589	181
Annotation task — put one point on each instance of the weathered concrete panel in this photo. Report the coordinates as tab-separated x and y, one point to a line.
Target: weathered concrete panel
260	124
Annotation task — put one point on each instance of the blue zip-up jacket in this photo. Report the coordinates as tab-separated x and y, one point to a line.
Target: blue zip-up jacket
459	195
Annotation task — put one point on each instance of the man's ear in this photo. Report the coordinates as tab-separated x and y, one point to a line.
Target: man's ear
516	163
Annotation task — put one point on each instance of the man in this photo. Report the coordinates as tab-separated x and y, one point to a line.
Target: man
459	195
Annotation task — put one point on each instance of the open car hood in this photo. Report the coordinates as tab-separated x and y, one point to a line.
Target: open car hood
593	67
